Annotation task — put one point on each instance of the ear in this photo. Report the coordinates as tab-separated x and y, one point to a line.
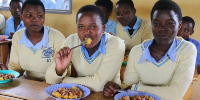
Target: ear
192	32
134	10
103	28
21	17
110	13
180	25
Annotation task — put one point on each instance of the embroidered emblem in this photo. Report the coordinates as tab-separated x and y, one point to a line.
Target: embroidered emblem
47	52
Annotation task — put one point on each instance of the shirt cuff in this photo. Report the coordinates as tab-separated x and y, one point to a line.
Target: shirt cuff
134	87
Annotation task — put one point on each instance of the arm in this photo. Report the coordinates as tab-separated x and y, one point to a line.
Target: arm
7	31
181	79
109	67
14	57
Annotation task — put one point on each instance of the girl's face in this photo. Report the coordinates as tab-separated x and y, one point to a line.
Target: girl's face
33	17
89	25
125	14
165	26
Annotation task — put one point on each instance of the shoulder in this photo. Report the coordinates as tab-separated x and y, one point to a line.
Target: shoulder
114	42
145	22
55	33
17	36
186	46
113	22
72	40
10	20
195	42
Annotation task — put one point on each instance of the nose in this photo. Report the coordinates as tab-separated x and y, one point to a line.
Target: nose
162	28
120	16
34	18
86	31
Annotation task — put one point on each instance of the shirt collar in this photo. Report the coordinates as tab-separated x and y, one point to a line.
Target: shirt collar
136	26
44	42
109	22
101	48
171	52
20	24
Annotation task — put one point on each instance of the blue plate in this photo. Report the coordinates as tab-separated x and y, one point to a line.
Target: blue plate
137	93
16	74
52	88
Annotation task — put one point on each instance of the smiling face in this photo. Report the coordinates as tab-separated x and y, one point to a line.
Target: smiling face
125	14
15	9
89	25
165	26
33	17
186	30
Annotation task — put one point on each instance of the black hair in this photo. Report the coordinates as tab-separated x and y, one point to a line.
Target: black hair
33	2
128	2
16	1
190	20
167	5
91	8
105	3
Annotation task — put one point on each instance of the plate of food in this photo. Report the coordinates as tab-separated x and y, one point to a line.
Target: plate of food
66	91
3	37
135	95
7	75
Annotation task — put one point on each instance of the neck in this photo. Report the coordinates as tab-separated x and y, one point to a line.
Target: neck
161	47
132	22
91	51
31	34
17	20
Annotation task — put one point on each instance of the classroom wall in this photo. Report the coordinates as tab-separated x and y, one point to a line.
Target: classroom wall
66	23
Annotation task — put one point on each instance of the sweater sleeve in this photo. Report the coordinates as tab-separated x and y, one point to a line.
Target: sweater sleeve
14	56
181	79
147	31
130	75
51	76
109	67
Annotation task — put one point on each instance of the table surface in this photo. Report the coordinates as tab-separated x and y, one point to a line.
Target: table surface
28	89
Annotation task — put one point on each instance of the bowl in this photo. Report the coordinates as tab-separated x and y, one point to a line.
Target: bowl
3	37
52	88
136	93
16	74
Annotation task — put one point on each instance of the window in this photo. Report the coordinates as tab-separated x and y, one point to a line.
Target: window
51	6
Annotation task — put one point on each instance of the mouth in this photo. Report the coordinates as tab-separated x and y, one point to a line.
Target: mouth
88	40
163	36
34	26
122	21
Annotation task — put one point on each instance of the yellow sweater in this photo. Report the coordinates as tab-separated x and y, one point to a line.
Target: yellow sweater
104	68
170	81
23	59
144	32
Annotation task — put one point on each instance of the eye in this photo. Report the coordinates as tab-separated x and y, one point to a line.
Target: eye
28	15
156	24
39	16
171	23
81	27
118	14
186	30
125	12
92	26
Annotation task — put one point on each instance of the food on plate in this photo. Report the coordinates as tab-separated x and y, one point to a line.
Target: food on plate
68	93
88	40
125	58
6	76
142	97
125	98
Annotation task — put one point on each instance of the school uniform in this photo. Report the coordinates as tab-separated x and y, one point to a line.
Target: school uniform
168	78
31	60
93	71
111	26
10	26
197	44
142	31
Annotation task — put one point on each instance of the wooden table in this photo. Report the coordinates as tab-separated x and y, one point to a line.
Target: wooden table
33	90
4	50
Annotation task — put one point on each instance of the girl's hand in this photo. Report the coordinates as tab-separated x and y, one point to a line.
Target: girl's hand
63	59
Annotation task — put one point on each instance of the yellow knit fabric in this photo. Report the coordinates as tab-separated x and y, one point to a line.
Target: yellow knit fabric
170	81
144	32
34	66
103	68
